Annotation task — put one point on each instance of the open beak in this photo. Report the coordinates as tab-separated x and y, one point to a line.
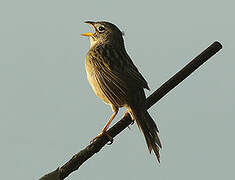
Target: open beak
89	34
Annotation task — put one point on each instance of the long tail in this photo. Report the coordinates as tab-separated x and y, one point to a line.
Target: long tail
150	131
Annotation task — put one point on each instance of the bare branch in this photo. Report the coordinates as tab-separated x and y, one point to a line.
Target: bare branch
183	73
78	159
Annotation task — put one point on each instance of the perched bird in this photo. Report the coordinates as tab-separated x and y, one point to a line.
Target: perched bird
115	80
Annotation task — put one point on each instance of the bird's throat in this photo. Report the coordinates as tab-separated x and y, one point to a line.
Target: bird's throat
92	42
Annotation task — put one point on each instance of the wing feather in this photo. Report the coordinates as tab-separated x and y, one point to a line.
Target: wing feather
116	74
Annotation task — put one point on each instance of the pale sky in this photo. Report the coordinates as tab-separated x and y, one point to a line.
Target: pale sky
48	112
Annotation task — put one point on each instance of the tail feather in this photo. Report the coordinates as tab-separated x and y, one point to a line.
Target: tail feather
150	131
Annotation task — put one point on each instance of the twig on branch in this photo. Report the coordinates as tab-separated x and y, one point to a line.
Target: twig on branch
79	158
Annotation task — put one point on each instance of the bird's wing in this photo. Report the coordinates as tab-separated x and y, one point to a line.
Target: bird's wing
116	74
118	63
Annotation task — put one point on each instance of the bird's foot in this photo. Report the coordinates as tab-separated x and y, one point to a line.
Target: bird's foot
128	114
101	134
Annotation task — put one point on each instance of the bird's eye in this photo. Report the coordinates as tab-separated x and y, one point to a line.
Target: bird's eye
101	29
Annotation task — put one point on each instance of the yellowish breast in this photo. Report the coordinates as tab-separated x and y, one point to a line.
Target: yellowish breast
91	76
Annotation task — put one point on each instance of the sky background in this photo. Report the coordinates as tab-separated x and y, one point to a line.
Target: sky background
48	111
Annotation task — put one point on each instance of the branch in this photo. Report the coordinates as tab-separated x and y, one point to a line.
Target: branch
78	159
183	73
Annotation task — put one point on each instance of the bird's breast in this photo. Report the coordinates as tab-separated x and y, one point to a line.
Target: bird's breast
91	71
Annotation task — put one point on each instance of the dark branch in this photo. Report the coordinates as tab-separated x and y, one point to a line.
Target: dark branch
78	159
183	73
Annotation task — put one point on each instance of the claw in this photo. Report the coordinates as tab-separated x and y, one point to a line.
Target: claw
128	114
101	134
93	140
110	138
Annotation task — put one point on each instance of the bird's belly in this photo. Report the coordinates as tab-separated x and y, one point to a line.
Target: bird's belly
94	84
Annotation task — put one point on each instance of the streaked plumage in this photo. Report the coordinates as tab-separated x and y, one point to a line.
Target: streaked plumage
116	80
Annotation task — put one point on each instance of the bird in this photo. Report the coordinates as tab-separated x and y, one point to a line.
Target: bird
116	80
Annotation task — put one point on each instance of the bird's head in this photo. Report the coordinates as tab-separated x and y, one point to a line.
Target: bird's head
104	32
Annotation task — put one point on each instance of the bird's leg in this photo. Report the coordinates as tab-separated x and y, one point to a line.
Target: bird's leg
115	111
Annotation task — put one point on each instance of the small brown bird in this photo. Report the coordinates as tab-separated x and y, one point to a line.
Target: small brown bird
116	80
